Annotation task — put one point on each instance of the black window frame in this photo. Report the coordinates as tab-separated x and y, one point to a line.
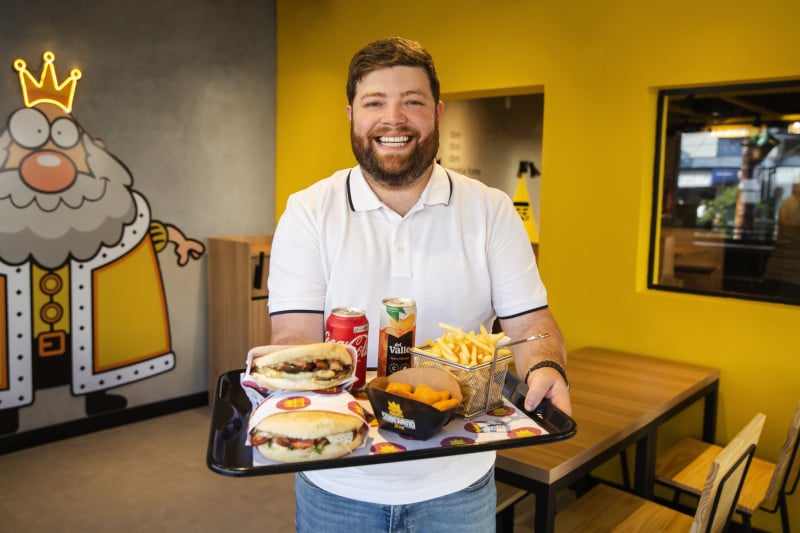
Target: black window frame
664	128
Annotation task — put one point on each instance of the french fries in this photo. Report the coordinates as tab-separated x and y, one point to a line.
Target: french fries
466	348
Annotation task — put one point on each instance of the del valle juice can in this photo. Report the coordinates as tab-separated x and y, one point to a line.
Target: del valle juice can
349	325
398	328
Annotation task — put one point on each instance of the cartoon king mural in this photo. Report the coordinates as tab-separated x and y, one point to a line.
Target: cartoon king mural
82	300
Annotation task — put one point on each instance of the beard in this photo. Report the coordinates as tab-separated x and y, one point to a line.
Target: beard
51	228
395	170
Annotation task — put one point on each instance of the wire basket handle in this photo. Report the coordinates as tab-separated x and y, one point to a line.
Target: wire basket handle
497	347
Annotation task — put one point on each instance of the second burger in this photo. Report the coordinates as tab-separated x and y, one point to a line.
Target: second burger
306	426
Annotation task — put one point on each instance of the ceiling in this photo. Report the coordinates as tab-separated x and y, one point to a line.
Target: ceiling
778	105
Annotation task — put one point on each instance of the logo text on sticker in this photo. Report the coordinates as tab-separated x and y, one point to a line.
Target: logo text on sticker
398	422
294	402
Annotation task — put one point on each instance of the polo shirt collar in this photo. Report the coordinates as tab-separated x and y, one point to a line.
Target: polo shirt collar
361	198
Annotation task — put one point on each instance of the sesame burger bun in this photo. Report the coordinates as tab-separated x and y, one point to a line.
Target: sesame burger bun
342	433
295	367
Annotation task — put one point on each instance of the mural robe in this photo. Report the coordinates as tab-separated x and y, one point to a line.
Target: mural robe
114	316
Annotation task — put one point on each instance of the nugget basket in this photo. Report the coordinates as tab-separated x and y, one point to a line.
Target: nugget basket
481	387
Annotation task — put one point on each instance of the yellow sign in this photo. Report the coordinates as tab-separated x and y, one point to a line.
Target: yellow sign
523	204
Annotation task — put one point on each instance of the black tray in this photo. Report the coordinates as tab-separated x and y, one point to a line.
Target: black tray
228	454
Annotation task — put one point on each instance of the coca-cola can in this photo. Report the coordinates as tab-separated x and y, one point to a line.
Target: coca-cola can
349	325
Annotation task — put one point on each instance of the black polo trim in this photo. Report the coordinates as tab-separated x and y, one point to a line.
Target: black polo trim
449	179
349	196
306	311
523	313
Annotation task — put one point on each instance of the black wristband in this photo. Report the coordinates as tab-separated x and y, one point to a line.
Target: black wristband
550	364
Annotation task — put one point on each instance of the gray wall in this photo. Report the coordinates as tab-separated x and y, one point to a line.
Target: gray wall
183	93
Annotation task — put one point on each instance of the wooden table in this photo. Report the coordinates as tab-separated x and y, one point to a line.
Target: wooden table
618	399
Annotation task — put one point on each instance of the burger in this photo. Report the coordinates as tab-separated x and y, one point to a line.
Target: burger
298	436
303	367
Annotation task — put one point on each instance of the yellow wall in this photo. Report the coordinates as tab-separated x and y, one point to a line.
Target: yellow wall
601	64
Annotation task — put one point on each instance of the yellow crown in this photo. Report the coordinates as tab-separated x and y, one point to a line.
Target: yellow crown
47	89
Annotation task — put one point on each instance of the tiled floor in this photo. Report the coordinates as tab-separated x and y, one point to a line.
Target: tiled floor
147	477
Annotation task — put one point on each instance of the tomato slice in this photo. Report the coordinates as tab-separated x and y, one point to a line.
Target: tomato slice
258	440
302	444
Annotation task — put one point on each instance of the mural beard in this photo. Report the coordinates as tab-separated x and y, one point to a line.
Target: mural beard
51	228
395	170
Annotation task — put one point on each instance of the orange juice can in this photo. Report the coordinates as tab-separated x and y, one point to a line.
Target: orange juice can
398	326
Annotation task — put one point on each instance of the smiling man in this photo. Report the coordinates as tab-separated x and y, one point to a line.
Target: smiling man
398	224
394	130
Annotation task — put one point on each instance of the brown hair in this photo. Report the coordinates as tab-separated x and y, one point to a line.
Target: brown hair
391	52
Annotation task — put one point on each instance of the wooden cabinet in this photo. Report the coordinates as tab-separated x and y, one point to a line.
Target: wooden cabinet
238	318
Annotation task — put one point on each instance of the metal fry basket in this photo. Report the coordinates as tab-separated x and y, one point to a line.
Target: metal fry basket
481	385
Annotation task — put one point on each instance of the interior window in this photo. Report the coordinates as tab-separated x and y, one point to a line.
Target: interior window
726	213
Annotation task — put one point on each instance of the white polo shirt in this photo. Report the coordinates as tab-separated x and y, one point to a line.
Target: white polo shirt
461	253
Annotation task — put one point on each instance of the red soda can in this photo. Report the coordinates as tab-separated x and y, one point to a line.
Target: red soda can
349	325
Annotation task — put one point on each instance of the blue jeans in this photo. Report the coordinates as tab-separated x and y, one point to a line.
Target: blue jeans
468	510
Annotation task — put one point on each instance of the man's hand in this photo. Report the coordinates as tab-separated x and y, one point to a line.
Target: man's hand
543	382
547	383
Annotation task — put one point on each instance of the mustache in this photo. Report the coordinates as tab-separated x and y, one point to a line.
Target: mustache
386	131
86	188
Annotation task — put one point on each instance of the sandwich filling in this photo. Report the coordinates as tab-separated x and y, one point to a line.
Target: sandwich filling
258	437
321	369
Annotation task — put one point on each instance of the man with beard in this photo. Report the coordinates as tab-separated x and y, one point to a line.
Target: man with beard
398	224
81	297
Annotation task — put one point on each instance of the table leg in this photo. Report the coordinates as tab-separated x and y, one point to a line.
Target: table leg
645	462
545	519
710	414
644	471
